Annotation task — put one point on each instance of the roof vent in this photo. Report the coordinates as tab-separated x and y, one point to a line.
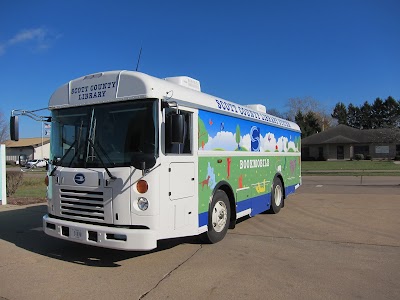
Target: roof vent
185	81
257	107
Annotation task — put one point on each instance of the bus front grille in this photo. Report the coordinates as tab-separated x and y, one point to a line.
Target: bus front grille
82	204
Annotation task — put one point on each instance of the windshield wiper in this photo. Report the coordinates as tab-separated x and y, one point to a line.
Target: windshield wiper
101	161
58	163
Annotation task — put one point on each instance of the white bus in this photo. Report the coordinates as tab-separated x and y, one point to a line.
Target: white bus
136	159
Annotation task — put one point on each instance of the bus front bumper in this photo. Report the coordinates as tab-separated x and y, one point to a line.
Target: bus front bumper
101	236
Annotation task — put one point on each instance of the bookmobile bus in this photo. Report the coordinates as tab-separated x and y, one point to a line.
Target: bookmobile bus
136	159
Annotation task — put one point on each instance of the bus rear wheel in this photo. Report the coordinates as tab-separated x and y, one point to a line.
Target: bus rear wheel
276	196
218	218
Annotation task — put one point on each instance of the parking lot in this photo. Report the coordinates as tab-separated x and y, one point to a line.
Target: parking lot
336	238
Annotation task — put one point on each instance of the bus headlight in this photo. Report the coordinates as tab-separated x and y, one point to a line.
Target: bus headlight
142	203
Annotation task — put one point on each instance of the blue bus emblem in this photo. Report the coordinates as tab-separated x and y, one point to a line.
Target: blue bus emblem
255	138
79	178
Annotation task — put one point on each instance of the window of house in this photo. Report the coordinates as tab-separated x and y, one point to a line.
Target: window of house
364	150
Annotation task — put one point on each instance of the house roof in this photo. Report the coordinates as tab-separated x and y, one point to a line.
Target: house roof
29	142
340	139
343	134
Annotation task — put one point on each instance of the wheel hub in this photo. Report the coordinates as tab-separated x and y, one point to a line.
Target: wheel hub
219	216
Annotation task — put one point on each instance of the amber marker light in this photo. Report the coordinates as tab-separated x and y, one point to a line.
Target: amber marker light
142	186
46	180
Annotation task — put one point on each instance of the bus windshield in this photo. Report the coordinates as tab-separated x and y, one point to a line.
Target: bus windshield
107	135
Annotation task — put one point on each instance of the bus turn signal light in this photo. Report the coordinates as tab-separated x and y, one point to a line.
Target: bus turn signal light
142	186
46	180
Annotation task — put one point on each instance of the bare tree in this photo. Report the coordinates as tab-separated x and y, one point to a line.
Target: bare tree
4	132
306	105
275	112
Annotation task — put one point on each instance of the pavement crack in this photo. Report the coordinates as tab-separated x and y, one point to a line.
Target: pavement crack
317	240
169	273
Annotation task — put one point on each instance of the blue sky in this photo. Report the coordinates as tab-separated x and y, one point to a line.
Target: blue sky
244	51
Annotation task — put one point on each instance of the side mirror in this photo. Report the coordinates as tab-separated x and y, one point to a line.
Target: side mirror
176	128
144	161
22	159
14	128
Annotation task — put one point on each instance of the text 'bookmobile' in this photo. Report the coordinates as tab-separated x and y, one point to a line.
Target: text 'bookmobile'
136	159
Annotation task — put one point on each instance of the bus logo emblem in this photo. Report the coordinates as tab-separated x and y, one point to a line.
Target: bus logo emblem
255	138
79	178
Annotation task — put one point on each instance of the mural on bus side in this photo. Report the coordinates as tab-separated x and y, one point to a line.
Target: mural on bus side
225	133
250	176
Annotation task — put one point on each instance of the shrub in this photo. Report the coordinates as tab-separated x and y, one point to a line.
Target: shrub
307	158
368	157
11	163
397	157
359	156
13	180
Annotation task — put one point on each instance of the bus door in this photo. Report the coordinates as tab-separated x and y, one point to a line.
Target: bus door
182	175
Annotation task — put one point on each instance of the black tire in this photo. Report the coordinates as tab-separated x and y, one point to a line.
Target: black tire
219	215
276	196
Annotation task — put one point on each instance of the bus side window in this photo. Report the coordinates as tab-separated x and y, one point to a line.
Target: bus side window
186	147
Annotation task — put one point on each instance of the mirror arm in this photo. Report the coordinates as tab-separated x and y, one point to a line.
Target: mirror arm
171	104
31	114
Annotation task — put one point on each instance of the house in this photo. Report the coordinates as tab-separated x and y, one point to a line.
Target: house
344	142
33	148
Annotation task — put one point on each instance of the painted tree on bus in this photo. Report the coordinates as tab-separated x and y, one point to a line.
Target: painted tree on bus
297	142
238	136
202	134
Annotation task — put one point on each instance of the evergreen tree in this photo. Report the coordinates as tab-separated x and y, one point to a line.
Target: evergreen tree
309	123
378	114
340	113
366	114
353	116
299	119
392	113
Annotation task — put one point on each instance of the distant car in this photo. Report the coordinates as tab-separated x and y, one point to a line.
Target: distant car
36	163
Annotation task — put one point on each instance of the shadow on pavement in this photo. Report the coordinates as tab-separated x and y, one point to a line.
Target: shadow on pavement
23	227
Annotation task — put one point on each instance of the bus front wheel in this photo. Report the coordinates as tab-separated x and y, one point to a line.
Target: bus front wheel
218	218
276	196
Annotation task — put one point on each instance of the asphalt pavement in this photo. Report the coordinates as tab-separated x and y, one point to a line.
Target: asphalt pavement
337	238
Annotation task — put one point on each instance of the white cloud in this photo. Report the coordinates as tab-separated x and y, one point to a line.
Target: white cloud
38	39
282	144
227	141
223	140
293	146
268	142
37	34
246	142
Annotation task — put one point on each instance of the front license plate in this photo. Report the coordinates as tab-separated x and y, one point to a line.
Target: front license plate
76	233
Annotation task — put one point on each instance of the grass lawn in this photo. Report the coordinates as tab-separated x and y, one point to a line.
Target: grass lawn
350	168
31	187
349	165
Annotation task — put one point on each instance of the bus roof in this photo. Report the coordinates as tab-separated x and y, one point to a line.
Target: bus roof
115	86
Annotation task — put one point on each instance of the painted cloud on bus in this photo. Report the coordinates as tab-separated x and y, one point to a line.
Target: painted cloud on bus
220	132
